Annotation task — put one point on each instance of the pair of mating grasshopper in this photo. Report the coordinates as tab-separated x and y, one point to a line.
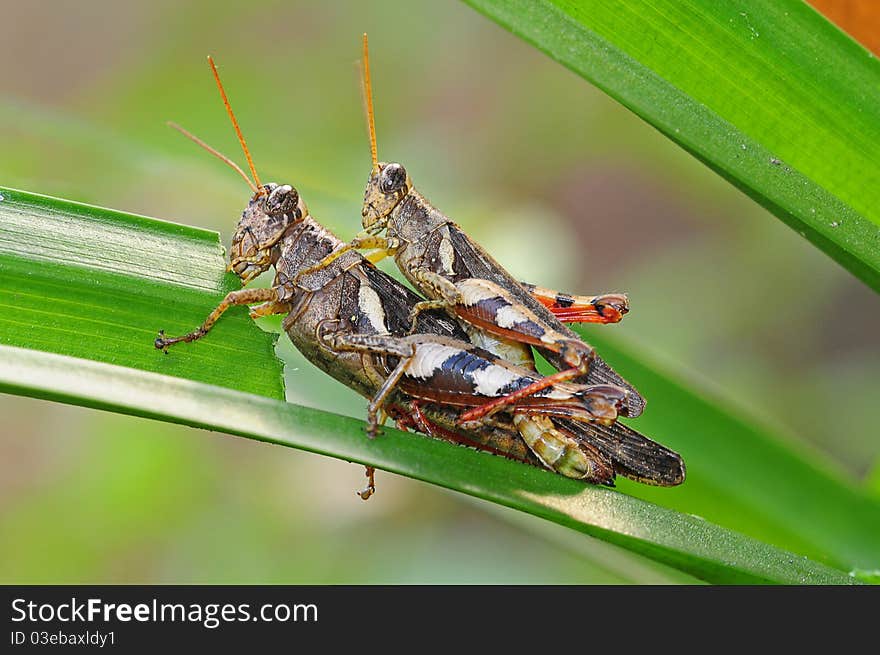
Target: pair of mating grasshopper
458	365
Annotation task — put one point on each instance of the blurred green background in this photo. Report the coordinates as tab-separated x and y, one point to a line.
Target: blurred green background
565	187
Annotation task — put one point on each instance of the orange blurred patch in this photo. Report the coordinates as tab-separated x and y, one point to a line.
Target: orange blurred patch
858	18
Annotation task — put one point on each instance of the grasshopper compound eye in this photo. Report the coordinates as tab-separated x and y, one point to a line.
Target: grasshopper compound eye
392	178
386	188
282	200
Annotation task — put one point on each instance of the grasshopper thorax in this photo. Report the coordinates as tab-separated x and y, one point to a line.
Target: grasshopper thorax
387	186
256	241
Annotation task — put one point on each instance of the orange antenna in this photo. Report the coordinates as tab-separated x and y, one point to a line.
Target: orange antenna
241	140
218	155
368	96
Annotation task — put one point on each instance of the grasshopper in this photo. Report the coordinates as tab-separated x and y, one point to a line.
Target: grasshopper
350	319
456	274
434	254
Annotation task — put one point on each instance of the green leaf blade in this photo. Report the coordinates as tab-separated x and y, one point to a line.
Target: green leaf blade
707	551
745	87
90	282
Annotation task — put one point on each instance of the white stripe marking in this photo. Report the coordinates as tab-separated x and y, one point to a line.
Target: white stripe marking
508	316
371	307
474	290
447	256
428	359
490	381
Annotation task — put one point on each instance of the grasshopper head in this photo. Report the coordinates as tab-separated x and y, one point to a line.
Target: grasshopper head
387	186
257	237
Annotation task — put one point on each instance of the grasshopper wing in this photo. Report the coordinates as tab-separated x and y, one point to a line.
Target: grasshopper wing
634	455
397	301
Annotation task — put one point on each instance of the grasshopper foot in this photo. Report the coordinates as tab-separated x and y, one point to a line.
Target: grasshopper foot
370	489
375	422
161	343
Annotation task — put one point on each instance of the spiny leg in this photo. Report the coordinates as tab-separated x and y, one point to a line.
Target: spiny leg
376	256
488	306
375	344
569	308
603	310
494	309
600	404
421	422
436	286
423	306
498	404
239	297
381	396
414	419
444	293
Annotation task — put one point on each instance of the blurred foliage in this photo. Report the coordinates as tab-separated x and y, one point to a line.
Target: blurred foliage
526	156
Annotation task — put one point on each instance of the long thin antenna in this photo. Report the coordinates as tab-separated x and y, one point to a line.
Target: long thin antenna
241	140
218	155
368	94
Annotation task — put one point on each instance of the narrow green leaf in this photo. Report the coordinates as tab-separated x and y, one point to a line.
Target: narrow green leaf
688	543
768	94
96	283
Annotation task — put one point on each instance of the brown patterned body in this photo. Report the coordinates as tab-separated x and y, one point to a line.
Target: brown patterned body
429	239
437	257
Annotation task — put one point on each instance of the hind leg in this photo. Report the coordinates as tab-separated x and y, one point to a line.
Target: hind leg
370	489
381	345
569	308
